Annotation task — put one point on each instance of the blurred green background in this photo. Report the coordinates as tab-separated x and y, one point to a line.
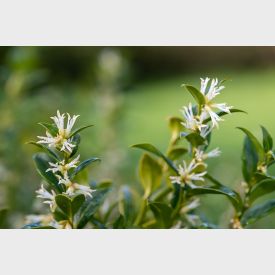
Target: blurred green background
128	93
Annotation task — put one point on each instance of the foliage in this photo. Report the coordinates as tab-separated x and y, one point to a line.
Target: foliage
171	182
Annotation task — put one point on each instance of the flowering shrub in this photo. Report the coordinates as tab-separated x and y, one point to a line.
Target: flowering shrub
172	182
71	204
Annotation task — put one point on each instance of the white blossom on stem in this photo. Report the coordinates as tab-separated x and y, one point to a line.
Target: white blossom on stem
201	156
63	167
73	188
187	174
47	196
62	140
192	122
209	106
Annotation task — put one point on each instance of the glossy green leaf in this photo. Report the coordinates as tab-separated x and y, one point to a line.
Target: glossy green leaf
233	196
150	173
175	124
152	149
176	198
258	147
76	131
262	188
249	160
83	165
257	212
41	161
162	213
220	114
198	96
267	140
59	215
176	152
77	202
46	149
51	128
195	139
91	205
75	140
65	204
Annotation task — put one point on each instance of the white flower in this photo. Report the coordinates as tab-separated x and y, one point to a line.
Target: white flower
192	122
200	155
209	95
48	197
63	167
62	140
75	189
59	121
205	131
187	174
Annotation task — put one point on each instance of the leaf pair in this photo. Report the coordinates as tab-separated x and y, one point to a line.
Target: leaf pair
69	206
254	153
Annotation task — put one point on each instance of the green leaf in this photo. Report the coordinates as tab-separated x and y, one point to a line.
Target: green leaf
257	212
77	202
249	160
83	165
46	149
262	188
162	213
176	152
176	198
195	139
127	206
41	161
267	140
69	206
233	110
75	141
258	147
51	128
152	149
233	196
79	130
198	96
119	222
150	173
175	124
65	204
91	205
59	215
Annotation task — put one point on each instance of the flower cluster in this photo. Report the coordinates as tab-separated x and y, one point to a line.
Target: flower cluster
62	142
195	117
196	120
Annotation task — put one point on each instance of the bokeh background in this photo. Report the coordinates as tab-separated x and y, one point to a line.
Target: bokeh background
128	93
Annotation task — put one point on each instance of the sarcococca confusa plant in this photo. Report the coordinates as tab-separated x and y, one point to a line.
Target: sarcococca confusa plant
172	181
